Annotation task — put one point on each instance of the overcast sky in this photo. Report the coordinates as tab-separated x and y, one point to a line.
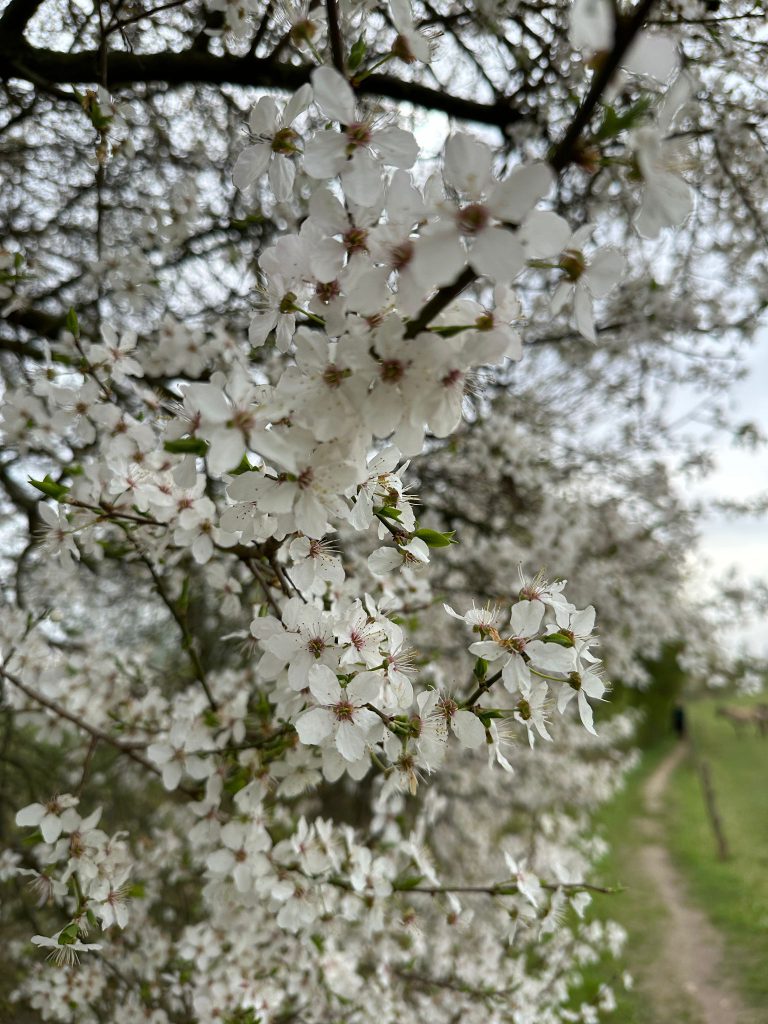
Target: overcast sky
741	542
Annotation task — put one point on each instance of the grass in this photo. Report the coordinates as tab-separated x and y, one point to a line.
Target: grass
637	909
733	893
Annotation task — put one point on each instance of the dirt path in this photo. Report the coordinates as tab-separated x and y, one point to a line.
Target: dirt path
690	959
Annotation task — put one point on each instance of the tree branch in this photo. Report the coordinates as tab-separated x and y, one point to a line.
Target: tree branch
20	60
626	30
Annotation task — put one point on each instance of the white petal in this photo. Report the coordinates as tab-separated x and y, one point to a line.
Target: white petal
525	618
51	827
497	254
261	326
297	104
263	117
282	175
591	25
324	685
251	164
30	816
326	259
487	649
226	451
582	313
605	271
365	687
551	657
544	234
220	862
396	147
467	164
325	154
333	94
384	560
516	675
362	179
438	257
314	725
468	728
585	713
513	198
350	741
561	295
654	55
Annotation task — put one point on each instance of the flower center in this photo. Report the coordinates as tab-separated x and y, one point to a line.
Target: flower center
573	264
327	290
356	240
344	711
316	645
284	141
401	255
452	378
333	375
472	218
392	370
359	134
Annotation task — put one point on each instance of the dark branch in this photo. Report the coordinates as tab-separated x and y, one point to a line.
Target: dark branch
17	16
19	60
626	31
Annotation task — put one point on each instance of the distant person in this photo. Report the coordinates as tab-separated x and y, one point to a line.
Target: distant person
678	720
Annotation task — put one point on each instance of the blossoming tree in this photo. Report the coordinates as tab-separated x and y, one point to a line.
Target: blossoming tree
307	313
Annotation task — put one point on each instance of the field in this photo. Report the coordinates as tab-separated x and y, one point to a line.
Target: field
732	893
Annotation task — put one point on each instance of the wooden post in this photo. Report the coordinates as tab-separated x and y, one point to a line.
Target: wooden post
705	776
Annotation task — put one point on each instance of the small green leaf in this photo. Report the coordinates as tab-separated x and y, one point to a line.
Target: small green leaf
410	882
388	511
558	638
49	487
487	716
71	323
614	122
244	467
183	602
434	539
480	671
356	54
68	934
187	446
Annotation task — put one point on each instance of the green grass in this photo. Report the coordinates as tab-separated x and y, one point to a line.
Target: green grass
733	893
637	909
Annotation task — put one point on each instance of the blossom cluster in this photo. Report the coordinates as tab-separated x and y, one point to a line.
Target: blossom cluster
277	663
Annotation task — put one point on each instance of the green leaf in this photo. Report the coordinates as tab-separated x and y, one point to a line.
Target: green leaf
388	511
480	671
183	602
614	122
187	446
49	487
68	934
244	467
434	539
558	638
72	323
356	54
486	716
410	882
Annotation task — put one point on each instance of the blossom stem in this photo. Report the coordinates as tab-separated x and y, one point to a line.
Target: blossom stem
482	688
